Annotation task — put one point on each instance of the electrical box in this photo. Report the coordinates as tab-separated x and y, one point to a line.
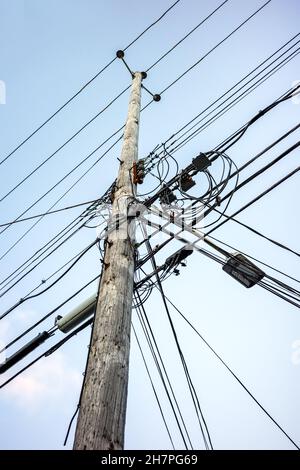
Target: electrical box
243	270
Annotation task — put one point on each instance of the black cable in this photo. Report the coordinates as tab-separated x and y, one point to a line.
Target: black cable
190	383
153	388
279	293
85	371
253	230
265	150
54	240
280	289
183	240
236	136
68	174
112	101
151	340
234	102
255	259
59	199
285	293
86	84
42	250
48	315
49	212
52	206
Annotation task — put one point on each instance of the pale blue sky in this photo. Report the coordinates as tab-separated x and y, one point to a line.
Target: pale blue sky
48	50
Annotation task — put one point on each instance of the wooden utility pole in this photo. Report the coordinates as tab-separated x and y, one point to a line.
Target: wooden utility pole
101	419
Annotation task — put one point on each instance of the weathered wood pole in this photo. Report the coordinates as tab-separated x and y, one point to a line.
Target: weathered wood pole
102	413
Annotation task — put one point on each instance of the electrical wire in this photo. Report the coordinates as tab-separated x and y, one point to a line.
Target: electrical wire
228	91
161	368
232	373
265	150
47	159
34	204
186	36
205	252
21	301
189	380
49	351
49	314
253	230
15	274
66	176
171	84
153	387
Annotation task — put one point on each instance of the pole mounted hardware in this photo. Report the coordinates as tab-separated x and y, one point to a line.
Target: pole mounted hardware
121	54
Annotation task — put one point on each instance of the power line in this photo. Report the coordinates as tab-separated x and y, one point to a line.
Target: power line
215	47
102	111
262	152
41	251
32	327
173	235
233	103
76	182
39	255
21	301
257	198
49	213
238	83
68	174
56	202
253	230
87	83
49	351
255	259
68	228
186	36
